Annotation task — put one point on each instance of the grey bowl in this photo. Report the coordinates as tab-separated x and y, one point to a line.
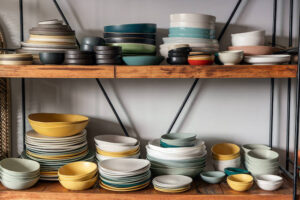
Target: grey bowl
51	58
93	41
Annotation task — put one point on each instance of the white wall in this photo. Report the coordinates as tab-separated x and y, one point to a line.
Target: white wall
235	110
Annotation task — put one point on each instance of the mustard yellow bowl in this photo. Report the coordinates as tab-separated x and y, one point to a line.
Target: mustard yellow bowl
225	149
75	171
228	157
118	154
240	182
79	185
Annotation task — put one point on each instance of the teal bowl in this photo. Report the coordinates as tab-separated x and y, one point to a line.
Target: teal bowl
192	36
131	28
231	171
212	177
179	137
143	60
185	30
175	144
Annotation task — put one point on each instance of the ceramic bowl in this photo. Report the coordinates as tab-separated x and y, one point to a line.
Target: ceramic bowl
179	137
201	59
19	167
247	41
136	48
258	33
131	28
142	60
191	172
255	50
184	40
117	148
269	182
231	171
190	35
87	47
177	60
231	57
204	25
119	154
20	184
130	40
248	147
212	177
130	35
225	151
93	41
50	58
81	170
240	182
188	30
262	155
79	185
176	143
191	17
220	165
113	140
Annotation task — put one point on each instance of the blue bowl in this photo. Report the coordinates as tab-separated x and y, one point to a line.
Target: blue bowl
131	28
186	30
231	171
143	60
193	36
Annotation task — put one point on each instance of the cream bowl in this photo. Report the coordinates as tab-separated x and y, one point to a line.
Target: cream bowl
115	140
19	167
192	17
231	57
269	182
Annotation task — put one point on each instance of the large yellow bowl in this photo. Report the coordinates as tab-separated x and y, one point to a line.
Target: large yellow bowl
118	154
240	182
79	185
80	170
225	149
229	157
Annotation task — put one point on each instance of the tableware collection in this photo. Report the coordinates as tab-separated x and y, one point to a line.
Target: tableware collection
172	183
108	55
240	182
116	146
124	174
19	174
16	59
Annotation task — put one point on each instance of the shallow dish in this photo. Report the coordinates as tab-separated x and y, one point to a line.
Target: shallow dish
267	59
51	58
131	28
19	167
192	35
172	181
255	50
179	137
142	60
191	172
204	25
124	165
212	177
189	30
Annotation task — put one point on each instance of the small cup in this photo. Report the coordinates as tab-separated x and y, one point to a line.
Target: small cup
231	57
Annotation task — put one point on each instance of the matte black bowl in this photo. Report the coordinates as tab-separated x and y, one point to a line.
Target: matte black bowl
177	60
86	47
50	58
180	50
185	54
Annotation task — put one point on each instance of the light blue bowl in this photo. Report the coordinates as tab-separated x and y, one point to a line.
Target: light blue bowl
212	177
192	36
143	60
184	30
131	28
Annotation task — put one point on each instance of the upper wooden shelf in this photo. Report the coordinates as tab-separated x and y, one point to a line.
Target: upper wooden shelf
156	71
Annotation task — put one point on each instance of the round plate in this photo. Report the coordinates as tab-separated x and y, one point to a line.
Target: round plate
61	29
17	59
52	21
108	56
17	55
109	52
78	62
109	61
78	52
35	135
129	35
130	40
52	36
79	56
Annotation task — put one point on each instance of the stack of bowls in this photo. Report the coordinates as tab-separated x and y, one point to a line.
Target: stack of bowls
135	39
195	30
49	36
225	155
248	147
269	182
116	146
188	161
262	161
200	58
19	174
240	182
178	56
178	140
76	57
108	55
172	183
88	43
124	174
16	59
78	175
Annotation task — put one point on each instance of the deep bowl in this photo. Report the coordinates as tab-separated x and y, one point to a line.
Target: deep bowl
129	35
77	171
262	155
143	60
248	147
225	149
49	58
19	167
131	28
87	47
212	177
231	57
177	60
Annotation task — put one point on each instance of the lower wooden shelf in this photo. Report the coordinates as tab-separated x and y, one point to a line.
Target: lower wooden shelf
200	190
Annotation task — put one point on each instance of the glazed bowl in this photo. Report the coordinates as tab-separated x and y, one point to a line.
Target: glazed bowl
220	165
77	171
262	156
255	50
179	137
130	40
204	25
189	30
232	171
248	147
177	60
176	143
142	60
20	184
19	167
131	28
247	40
269	182
258	33
225	151
93	41
192	17
51	58
191	35
129	35
231	57
113	140
240	182
135	48
117	148
119	154
79	185
201	59
212	177
267	59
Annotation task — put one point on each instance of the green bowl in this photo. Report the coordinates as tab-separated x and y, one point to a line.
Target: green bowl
143	60
131	28
212	177
262	156
175	143
135	48
231	171
248	147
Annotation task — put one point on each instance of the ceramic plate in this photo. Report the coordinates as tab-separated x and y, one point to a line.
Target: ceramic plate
55	46
267	59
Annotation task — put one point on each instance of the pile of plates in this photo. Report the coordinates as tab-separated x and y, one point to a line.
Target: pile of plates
196	30
262	161
225	155
135	39
172	183
116	146
188	161
77	57
49	36
124	174
53	152
16	59
108	55
19	174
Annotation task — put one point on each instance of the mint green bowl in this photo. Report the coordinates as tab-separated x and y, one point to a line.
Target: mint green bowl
135	48
212	177
143	60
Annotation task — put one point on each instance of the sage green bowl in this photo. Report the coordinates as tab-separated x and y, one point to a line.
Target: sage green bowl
135	48
248	147
142	60
19	167
179	137
212	177
262	156
19	185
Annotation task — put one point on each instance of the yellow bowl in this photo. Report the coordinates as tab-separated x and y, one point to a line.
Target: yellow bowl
79	185
229	157
118	154
239	187
134	188
77	170
225	149
240	178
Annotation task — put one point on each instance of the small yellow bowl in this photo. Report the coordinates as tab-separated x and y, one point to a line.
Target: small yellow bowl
118	154
239	187
79	185
240	182
77	170
225	149
228	157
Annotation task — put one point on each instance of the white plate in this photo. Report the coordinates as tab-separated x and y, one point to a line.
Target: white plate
115	140
124	165
171	181
267	59
54	21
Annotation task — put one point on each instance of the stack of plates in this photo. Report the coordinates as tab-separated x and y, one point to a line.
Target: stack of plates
16	59
133	38
178	140
49	36
76	57
196	30
124	174
188	161
108	55
226	155
262	161
52	152
18	174
172	183
116	146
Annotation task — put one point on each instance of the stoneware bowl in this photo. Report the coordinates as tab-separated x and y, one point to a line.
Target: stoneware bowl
252	38
225	151
76	171
49	58
240	182
269	182
231	57
130	40
201	59
93	41
262	156
129	35
143	60
231	171
212	177
19	167
248	147
79	185
177	60
192	17
131	28
20	184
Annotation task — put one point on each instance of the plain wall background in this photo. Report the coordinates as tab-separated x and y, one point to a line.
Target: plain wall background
235	110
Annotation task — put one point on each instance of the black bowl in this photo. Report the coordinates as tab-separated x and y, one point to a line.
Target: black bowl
130	40
180	50
50	58
129	35
185	54
177	60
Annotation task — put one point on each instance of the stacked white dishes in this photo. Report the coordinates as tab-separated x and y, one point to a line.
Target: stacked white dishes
49	36
172	183
124	174
19	174
261	161
116	146
53	152
269	182
188	161
196	30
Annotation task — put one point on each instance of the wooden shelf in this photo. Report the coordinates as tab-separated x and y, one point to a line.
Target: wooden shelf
156	71
203	191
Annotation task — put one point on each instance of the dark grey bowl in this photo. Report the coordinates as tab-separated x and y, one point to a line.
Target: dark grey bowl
86	47
177	60
50	58
93	41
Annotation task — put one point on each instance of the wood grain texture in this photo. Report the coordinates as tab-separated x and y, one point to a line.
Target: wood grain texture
209	71
57	71
53	190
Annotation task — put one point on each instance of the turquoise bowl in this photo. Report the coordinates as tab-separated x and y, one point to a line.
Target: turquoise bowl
212	177
175	144
231	171
143	60
186	30
131	28
192	36
179	137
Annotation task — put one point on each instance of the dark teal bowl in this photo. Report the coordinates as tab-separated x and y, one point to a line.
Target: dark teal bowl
143	60
131	28
231	171
51	58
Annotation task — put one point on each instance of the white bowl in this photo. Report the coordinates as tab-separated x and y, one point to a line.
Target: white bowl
220	165
248	147
231	57
172	181
192	17
269	182
19	185
117	148
115	140
124	165
186	40
247	41
267	59
189	24
258	33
